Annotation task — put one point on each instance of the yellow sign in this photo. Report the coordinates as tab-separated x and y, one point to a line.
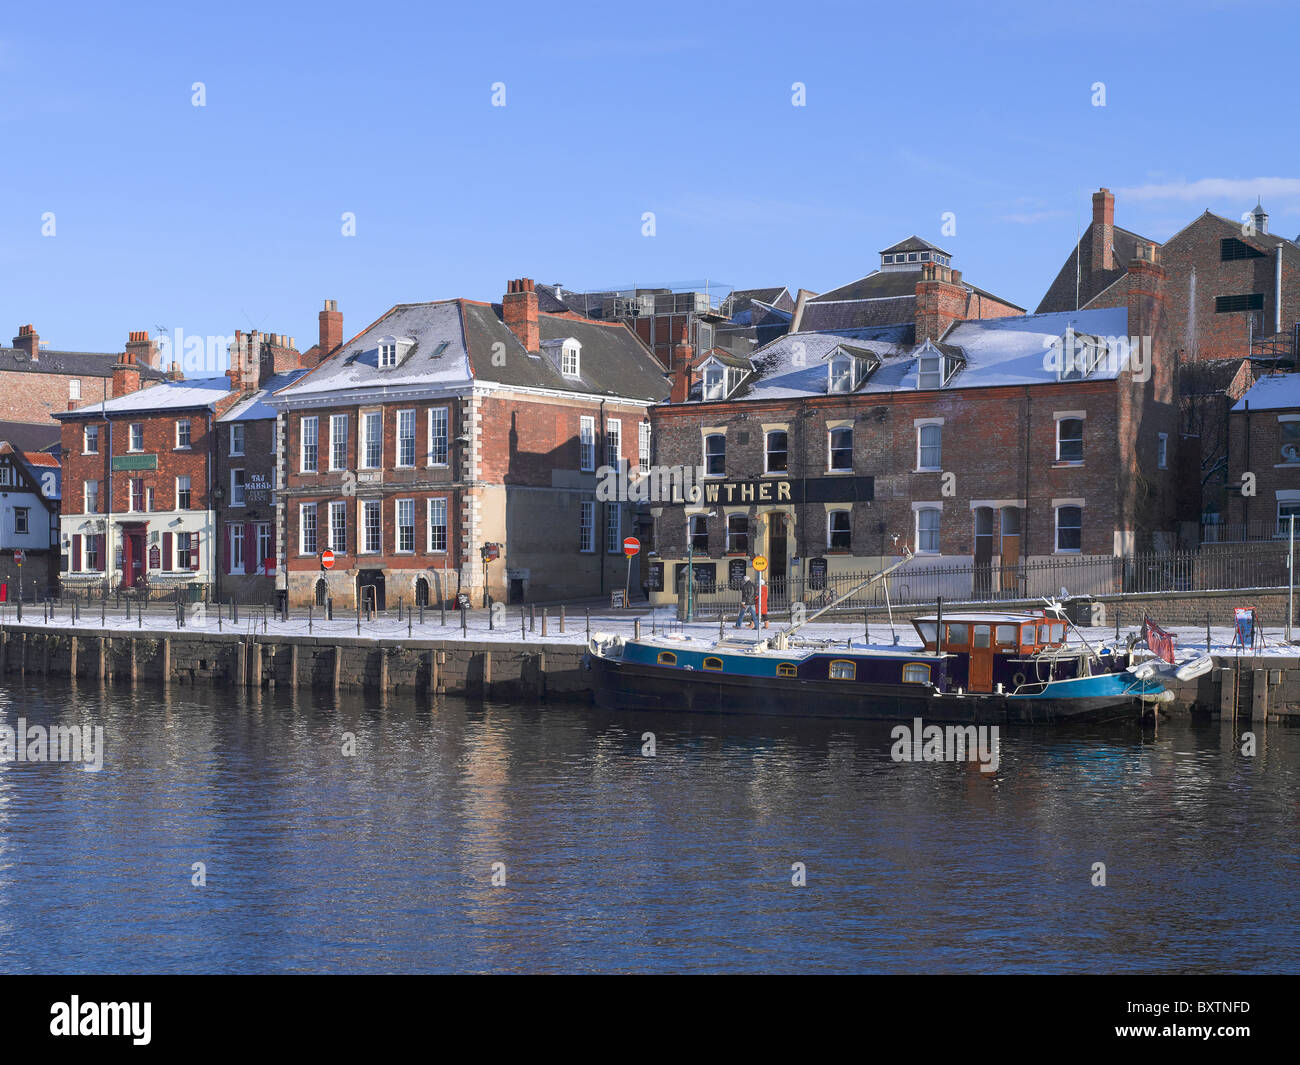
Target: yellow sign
760	563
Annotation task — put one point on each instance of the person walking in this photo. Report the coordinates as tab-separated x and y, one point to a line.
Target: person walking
747	595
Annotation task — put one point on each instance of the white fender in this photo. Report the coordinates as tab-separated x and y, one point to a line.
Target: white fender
1197	667
1145	670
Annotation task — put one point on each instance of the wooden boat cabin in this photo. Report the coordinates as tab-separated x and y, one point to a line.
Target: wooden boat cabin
992	649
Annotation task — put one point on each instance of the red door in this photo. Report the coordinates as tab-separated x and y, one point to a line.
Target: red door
981	658
132	559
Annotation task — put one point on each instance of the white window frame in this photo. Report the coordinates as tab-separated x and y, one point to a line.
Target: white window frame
1056	528
189	490
586	443
439	419
338	440
86	493
309	432
236	440
241	485
587	526
131	482
74	389
715	382
436	510
304	509
831	449
398	525
1061	419
613	442
843	381
938	531
921	426
264	538
85	439
235	538
387	356
767	451
407	416
134	429
571	359
715	436
366	507
338	509
372	428
643	445
613	529
186	445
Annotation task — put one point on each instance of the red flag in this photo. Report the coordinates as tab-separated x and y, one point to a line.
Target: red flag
1160	642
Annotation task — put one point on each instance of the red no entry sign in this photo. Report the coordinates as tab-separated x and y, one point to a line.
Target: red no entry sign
327	559
631	546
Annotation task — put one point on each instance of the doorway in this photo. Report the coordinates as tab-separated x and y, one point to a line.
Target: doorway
133	556
370	589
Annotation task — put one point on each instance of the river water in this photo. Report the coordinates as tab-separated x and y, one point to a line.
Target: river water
383	860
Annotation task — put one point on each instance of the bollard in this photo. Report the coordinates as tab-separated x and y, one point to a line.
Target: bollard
103	612
491	615
139	614
543	622
358	617
329	608
588	611
408	623
309	620
522	634
234	611
636	628
464	622
532	618
561	618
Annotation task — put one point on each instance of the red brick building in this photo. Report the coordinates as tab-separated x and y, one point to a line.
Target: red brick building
970	441
1232	288
446	427
1263	462
144	486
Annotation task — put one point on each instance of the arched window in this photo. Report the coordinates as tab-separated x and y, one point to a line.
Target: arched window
713	663
322	591
787	669
421	592
667	658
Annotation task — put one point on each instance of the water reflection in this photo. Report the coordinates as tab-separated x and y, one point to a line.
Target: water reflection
382	860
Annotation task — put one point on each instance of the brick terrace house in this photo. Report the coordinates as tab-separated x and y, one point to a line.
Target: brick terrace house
36	382
447	426
143	487
29	520
1264	441
956	437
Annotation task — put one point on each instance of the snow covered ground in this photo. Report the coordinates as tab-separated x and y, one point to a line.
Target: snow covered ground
1190	639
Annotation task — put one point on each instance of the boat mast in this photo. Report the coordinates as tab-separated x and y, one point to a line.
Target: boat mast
781	640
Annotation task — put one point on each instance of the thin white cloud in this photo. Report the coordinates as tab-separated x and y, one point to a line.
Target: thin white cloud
1205	189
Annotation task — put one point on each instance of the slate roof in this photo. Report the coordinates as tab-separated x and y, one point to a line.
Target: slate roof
997	352
26	436
455	342
255	407
75	363
1060	295
188	394
914	243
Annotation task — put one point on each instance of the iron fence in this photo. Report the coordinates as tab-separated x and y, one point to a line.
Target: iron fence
922	581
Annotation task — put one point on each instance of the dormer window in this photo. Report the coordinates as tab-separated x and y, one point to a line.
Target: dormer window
570	359
925	256
392	350
1079	356
841	379
714	382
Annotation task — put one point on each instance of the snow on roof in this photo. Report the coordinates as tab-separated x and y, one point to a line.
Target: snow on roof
998	351
438	357
1274	392
166	395
256	407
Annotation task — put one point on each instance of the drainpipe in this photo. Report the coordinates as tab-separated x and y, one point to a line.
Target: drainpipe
1245	500
1277	293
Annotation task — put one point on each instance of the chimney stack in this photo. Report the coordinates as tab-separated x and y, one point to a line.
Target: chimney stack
126	371
331	330
28	341
143	349
1103	230
519	310
940	301
681	367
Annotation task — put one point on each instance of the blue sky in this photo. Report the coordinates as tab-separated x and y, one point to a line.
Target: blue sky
228	216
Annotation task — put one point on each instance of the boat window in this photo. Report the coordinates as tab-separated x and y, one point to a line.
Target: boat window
981	636
713	663
1042	634
1006	634
787	669
928	630
1058	632
667	658
842	670
1026	635
916	673
958	634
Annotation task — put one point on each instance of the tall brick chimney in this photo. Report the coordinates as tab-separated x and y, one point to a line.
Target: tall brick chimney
281	356
143	348
331	329
681	368
1103	230
126	371
28	341
940	301
1145	291
519	309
